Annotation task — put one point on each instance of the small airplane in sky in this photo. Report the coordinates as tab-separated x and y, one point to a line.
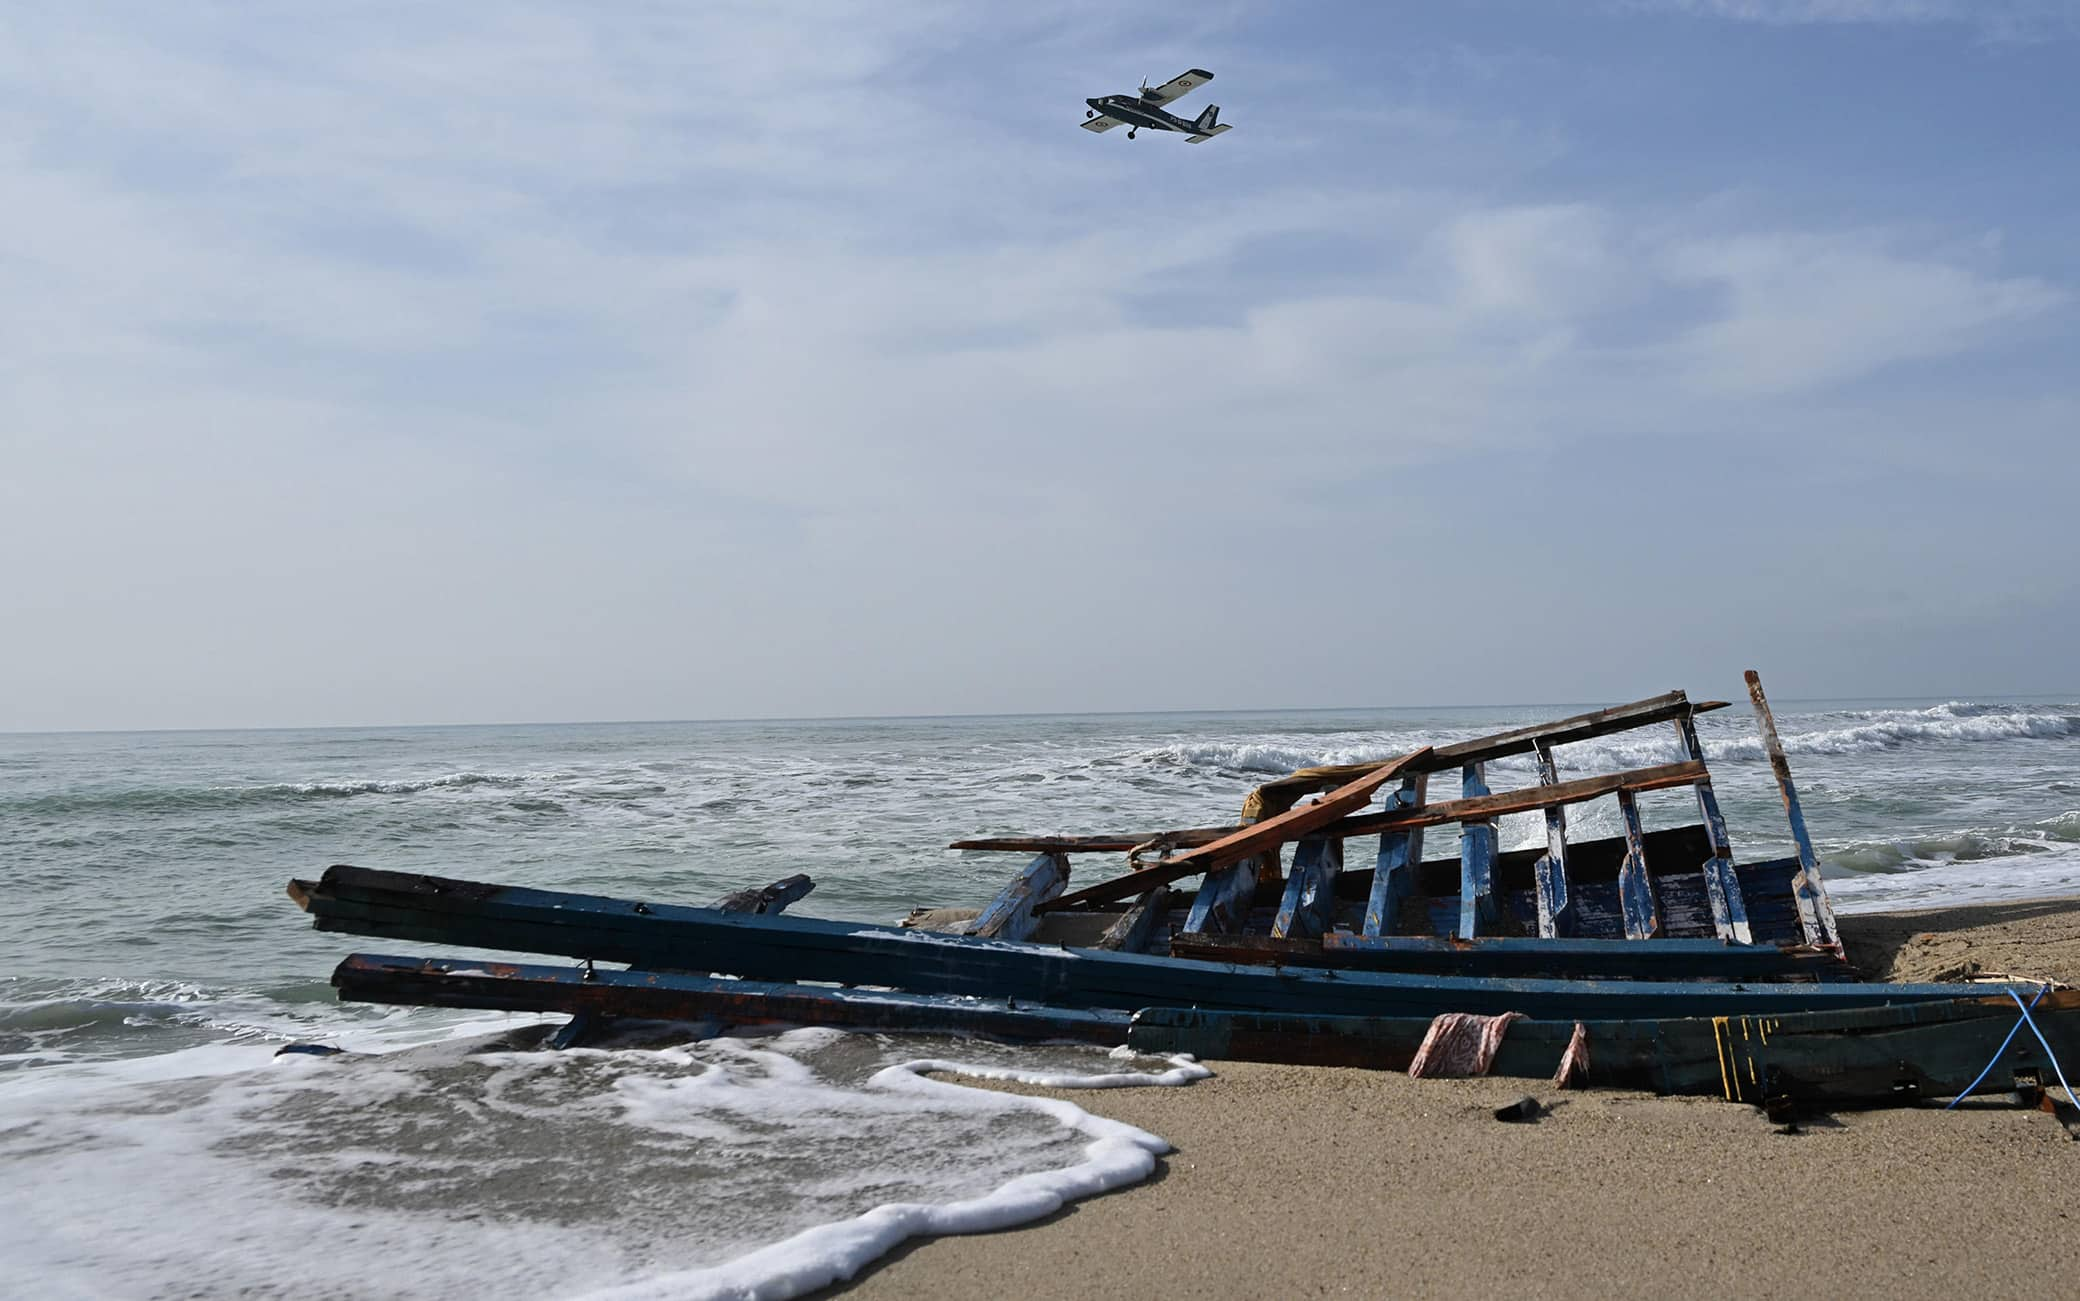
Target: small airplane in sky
1146	110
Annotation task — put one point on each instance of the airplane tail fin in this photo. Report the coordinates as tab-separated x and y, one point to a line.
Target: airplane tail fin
1206	126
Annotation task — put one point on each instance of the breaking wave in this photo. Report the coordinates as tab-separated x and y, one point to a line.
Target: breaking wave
1913	853
173	799
1951	723
1264	757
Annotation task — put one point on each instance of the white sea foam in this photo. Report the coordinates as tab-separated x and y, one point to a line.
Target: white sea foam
1116	1155
394	785
2052	873
728	1168
1852	732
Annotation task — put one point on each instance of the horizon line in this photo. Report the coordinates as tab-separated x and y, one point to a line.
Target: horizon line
981	714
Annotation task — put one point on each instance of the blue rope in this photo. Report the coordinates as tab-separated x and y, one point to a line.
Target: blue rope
2031	1021
2003	1049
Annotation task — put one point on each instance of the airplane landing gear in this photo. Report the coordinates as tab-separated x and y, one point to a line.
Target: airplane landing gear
1090	112
1131	130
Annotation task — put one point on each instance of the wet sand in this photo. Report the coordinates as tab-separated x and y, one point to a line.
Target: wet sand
1314	1181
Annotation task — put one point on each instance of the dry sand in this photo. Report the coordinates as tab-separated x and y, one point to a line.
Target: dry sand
1312	1181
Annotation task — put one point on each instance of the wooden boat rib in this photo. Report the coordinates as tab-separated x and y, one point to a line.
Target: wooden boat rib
1668	884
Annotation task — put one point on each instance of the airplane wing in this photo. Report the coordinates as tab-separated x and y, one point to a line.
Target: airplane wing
1177	87
1208	134
1100	123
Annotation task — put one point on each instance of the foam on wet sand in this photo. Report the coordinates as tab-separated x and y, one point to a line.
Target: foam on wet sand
1318	1181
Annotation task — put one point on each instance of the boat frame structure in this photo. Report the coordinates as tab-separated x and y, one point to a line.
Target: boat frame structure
1654	946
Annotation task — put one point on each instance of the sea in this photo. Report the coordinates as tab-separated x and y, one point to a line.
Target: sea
155	1142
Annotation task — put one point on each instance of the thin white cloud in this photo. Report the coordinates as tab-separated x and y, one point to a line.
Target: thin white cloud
708	344
2018	19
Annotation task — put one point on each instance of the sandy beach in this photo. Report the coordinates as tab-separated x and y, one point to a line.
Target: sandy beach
1307	1181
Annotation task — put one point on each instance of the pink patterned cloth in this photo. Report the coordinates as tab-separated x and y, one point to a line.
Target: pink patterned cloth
1574	1063
1460	1044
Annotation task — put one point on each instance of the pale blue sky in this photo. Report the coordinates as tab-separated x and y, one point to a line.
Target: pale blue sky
417	363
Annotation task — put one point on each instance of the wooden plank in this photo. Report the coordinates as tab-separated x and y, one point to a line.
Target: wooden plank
1478	914
1400	849
681	996
1530	799
1131	933
1480	749
415	908
1396	815
1815	913
1224	899
1308	906
1635	886
1106	844
1247	842
1581	727
1900	1055
1558	959
768	899
1555	903
1010	916
1722	884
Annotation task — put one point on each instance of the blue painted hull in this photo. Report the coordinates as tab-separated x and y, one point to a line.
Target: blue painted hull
678	996
403	906
1885	1054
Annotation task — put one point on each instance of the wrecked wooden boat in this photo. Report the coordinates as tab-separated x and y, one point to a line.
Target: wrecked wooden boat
1610	908
1641	942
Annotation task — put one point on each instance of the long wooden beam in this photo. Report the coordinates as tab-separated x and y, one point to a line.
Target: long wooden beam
1479	749
1529	800
1815	913
1581	727
1109	844
1248	841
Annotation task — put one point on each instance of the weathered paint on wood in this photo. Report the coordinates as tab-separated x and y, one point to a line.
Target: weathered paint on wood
1131	933
1108	844
418	909
1308	906
1557	959
1900	1054
1555	902
1009	916
769	899
1223	902
1814	910
1394	815
1250	841
1581	727
1393	874
1722	884
679	996
1635	884
1528	800
1478	913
